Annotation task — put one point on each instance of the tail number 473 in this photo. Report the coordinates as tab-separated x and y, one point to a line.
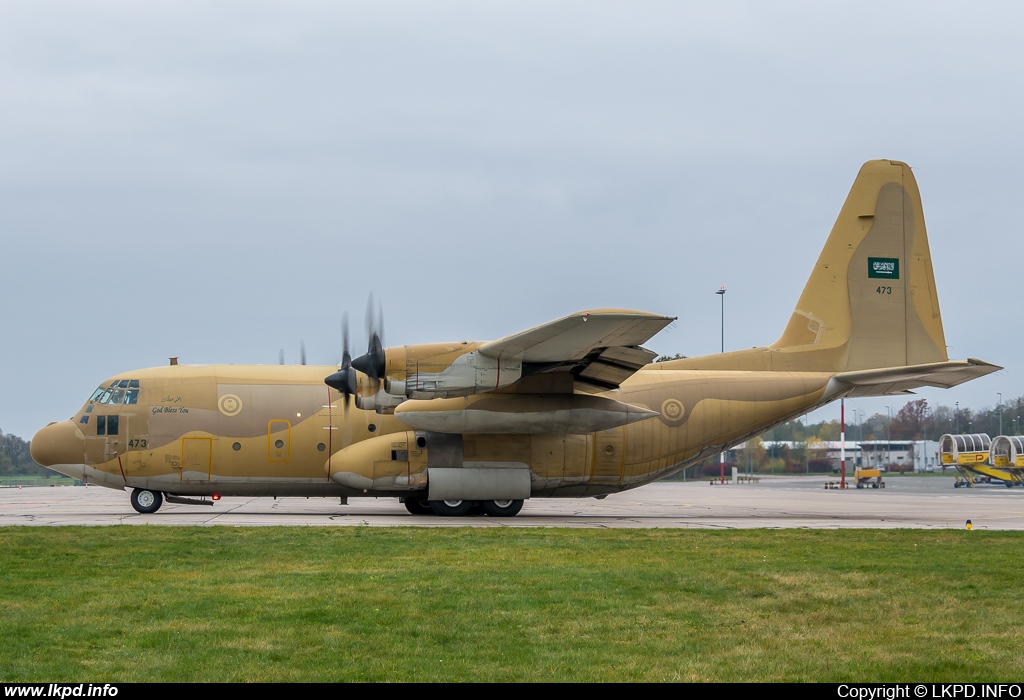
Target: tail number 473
884	290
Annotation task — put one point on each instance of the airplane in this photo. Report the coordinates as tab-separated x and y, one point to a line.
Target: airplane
574	408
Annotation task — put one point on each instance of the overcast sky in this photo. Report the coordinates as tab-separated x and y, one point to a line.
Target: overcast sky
218	180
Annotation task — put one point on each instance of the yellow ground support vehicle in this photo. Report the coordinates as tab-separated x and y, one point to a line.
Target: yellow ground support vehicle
869	478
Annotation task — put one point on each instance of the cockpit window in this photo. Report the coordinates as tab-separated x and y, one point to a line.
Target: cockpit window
120	391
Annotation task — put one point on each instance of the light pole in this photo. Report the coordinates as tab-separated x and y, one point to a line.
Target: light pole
998	393
721	293
888	440
956	417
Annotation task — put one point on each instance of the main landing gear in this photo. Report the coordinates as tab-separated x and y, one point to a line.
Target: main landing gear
146	501
495	509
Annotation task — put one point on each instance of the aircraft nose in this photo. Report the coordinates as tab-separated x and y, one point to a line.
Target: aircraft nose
58	443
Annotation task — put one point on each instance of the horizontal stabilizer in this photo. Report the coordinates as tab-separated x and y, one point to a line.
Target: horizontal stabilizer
900	380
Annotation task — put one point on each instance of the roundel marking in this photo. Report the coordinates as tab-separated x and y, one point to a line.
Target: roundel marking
672	412
230	405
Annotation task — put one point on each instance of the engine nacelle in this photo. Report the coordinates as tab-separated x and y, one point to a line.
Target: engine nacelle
446	370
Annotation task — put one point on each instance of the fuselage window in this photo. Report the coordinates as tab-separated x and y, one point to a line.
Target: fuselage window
112	422
101	425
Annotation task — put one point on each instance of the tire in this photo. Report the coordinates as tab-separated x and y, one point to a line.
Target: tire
418	506
452	509
503	509
146	501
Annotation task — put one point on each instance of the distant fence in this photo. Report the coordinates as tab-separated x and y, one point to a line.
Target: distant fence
16	483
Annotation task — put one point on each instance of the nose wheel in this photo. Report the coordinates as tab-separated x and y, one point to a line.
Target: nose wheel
146	501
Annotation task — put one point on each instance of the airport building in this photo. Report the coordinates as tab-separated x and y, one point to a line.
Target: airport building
920	455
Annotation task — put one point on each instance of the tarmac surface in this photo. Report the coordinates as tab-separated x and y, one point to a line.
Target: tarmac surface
774	502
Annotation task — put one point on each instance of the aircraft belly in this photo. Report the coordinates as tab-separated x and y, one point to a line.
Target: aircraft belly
90	475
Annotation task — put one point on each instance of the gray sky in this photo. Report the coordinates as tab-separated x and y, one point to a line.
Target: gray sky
218	180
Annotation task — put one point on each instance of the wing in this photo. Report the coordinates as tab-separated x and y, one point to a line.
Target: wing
599	349
900	380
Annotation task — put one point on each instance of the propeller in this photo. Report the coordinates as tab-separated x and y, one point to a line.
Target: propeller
344	380
374	363
302	354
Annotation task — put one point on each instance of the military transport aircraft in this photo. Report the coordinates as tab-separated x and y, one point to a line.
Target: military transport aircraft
571	408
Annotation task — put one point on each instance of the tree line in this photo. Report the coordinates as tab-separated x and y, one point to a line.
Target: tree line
15	459
916	420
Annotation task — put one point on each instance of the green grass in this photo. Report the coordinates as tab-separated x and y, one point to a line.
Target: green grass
436	604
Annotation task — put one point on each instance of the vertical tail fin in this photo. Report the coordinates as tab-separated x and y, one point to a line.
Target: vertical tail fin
871	299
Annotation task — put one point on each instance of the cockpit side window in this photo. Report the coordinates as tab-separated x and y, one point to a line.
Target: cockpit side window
131	396
97	394
106	395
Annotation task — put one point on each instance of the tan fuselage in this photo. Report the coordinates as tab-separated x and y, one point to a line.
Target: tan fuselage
272	430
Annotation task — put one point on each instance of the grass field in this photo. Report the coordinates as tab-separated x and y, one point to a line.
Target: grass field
411	604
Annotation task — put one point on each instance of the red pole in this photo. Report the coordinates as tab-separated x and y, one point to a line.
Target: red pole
842	443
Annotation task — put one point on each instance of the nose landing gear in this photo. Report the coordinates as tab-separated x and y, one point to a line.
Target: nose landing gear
146	501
